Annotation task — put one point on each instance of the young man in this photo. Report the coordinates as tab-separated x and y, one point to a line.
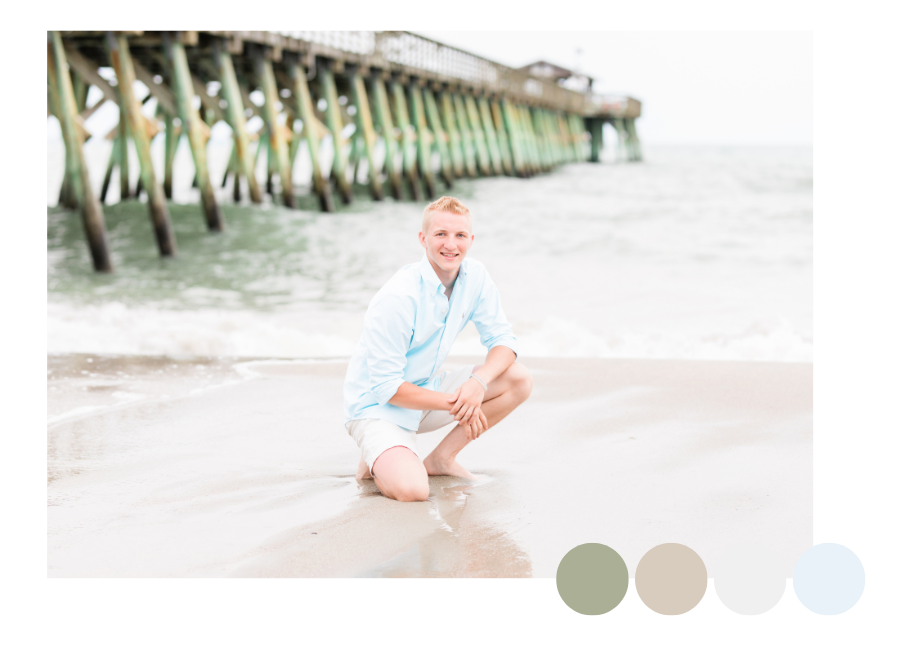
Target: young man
393	388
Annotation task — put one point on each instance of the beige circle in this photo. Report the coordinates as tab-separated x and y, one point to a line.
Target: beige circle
671	579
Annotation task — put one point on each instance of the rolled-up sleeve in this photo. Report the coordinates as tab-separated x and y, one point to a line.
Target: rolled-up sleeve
490	320
388	331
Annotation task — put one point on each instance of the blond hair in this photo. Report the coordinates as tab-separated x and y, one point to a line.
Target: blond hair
444	205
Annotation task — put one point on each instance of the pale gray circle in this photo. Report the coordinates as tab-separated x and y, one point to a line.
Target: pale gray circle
750	580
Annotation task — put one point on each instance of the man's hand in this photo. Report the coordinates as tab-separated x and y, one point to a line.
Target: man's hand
466	400
476	425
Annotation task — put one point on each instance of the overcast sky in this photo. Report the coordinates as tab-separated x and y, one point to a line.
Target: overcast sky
696	87
720	88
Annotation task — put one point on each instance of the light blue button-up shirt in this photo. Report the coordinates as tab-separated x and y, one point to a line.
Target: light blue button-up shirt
409	328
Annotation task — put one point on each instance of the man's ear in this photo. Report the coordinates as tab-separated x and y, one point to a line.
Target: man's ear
421	238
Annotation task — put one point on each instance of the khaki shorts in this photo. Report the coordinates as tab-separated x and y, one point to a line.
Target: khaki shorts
374	436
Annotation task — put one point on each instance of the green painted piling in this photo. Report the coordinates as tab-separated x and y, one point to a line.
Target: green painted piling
529	164
197	133
527	146
113	156
235	114
573	135
529	116
567	153
265	77
407	142
577	129
66	195
356	150
304	108
124	174
551	126
621	140
541	138
80	89
490	134
386	124
333	120
515	142
91	212
568	139
630	127
448	121
171	146
262	145
366	129
229	169
502	137
294	145
596	125
466	135
120	57
270	170
440	136
481	148
236	186
424	139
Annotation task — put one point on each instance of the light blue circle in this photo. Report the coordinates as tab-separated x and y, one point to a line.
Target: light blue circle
829	579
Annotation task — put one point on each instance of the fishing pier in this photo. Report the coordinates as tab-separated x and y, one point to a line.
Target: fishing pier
423	114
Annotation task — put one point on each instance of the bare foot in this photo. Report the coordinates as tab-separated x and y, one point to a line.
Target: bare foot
362	471
444	467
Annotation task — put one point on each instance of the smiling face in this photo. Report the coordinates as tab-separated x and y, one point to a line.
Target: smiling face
447	238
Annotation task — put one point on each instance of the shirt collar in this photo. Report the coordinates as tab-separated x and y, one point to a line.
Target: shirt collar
431	278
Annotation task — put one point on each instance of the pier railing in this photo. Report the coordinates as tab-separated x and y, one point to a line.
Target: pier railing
423	114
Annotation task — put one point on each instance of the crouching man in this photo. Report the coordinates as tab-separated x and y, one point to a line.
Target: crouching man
394	389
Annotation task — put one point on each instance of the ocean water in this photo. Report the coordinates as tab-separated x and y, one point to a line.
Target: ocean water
695	253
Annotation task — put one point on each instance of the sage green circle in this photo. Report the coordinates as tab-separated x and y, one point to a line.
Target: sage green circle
592	579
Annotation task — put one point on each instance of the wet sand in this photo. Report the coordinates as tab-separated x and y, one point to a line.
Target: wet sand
208	467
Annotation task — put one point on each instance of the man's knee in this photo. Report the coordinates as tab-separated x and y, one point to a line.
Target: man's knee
400	475
410	492
520	381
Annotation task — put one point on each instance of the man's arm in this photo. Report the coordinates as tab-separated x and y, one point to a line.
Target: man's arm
413	397
470	395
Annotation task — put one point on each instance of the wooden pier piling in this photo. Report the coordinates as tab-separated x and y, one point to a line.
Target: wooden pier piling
407	140
635	144
440	138
448	121
312	130
424	139
235	110
109	170
596	128
196	129
79	180
502	137
393	169
277	147
493	145
335	126
366	129
120	58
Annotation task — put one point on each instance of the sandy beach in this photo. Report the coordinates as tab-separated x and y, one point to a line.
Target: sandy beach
163	467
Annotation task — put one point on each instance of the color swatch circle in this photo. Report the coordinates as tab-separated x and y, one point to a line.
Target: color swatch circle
592	579
750	580
829	579
671	579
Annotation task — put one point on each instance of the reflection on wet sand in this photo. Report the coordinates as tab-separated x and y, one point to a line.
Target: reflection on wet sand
458	547
436	538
